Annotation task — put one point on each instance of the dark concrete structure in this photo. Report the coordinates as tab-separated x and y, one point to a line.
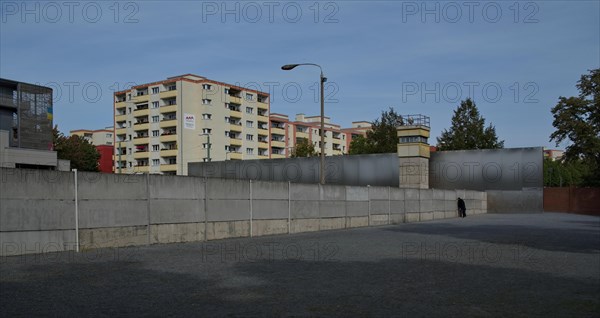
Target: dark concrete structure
26	112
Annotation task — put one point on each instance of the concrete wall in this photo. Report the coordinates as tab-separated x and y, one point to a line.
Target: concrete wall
360	170
512	177
37	208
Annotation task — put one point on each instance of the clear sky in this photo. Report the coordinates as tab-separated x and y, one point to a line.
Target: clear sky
513	58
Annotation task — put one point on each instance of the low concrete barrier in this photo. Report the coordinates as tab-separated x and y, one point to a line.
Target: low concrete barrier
38	211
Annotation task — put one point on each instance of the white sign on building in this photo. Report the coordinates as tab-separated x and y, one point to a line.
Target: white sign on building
189	121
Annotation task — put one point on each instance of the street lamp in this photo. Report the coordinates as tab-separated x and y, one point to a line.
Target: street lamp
207	145
322	79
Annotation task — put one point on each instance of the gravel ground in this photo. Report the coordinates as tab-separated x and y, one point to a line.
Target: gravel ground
517	265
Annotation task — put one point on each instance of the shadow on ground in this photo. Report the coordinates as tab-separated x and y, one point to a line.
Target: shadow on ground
391	287
550	239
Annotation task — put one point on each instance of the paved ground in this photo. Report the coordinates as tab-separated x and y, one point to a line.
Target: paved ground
487	265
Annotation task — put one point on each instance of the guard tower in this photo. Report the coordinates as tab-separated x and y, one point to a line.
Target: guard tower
413	151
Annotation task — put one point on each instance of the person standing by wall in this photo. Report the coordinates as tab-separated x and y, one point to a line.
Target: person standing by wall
462	209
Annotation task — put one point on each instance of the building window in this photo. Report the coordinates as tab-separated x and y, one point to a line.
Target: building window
249	110
155	133
227	148
249	123
171	88
227	119
129	110
207	87
249	137
250	151
249	96
206	130
155	162
154	104
205	159
206	101
108	135
206	116
155	119
226	91
155	147
206	146
155	90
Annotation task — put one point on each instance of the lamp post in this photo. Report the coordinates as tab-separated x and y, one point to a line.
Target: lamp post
322	79
207	145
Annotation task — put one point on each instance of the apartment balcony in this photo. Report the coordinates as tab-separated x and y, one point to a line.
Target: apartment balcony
168	167
141	98
142	126
141	169
141	140
120	104
168	94
235	142
121	131
141	155
168	138
265	156
120	118
262	118
235	156
235	113
262	105
168	153
166	123
263	127
277	156
302	135
277	131
168	108
233	127
234	99
141	112
278	144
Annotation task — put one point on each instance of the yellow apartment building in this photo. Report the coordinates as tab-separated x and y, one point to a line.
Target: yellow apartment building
162	126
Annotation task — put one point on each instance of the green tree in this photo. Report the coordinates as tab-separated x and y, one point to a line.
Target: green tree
577	119
468	131
561	173
382	138
82	154
303	149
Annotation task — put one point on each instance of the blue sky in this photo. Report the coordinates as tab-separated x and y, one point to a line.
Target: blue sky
514	60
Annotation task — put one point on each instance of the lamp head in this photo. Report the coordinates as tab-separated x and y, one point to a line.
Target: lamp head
288	67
